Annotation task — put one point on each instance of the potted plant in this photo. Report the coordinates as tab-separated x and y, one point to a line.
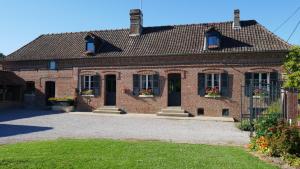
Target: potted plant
146	93
213	92
65	104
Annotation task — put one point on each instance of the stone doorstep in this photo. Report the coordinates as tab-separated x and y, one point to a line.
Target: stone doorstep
173	112
108	110
154	116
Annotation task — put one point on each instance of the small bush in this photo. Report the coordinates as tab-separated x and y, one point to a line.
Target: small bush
284	140
64	101
267	120
244	125
292	160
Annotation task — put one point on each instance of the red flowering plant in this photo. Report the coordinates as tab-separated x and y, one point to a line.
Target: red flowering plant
146	92
212	91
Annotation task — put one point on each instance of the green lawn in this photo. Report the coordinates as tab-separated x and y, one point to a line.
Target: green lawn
124	154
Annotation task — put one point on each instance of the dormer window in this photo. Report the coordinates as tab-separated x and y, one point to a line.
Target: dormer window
92	43
212	39
90	47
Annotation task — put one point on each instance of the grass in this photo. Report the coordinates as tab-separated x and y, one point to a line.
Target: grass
95	153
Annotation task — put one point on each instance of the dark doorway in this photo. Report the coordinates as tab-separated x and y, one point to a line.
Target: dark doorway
49	91
110	90
174	90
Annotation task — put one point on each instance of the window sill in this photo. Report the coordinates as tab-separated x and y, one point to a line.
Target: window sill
85	95
208	96
260	97
146	96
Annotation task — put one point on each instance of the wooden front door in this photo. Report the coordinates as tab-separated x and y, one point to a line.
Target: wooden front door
110	90
174	90
49	91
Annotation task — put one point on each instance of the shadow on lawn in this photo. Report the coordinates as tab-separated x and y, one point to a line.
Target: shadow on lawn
12	130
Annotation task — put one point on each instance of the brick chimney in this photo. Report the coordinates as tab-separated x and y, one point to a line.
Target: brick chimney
236	21
136	22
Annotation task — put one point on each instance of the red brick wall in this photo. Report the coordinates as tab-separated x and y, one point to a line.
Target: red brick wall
67	80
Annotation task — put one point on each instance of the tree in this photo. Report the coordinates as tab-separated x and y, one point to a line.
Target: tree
292	67
2	56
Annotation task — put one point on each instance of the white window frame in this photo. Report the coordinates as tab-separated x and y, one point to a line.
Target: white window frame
260	80
147	82
212	80
90	81
52	65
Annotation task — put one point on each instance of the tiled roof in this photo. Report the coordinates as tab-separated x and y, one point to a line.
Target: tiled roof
161	40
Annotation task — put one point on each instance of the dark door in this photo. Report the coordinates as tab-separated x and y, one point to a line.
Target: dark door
174	90
110	90
49	91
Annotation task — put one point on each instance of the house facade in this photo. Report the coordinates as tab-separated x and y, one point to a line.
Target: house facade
197	68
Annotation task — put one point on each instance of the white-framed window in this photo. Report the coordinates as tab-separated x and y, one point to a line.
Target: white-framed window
90	47
52	65
213	80
88	82
146	82
89	85
259	80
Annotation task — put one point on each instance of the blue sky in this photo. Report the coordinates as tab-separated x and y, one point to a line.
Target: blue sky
22	21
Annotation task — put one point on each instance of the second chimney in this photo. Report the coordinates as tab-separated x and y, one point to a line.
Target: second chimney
136	22
236	21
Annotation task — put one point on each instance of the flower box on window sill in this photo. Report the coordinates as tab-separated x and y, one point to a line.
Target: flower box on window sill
146	96
212	96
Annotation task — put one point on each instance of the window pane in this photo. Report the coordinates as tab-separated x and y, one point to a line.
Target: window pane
143	81
209	80
213	41
216	80
52	65
264	77
255	79
90	47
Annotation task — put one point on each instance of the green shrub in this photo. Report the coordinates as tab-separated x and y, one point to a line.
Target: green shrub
64	101
292	160
268	119
244	125
284	140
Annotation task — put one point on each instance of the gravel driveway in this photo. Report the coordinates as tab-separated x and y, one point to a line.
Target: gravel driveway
25	125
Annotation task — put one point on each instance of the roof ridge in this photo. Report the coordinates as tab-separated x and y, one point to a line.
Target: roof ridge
123	29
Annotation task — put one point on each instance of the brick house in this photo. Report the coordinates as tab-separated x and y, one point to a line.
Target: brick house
195	69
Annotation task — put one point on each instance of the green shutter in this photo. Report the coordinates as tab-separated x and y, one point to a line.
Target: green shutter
156	86
224	85
248	78
201	84
97	85
82	82
136	85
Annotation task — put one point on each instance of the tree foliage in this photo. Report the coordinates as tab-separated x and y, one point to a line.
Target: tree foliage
292	67
2	55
